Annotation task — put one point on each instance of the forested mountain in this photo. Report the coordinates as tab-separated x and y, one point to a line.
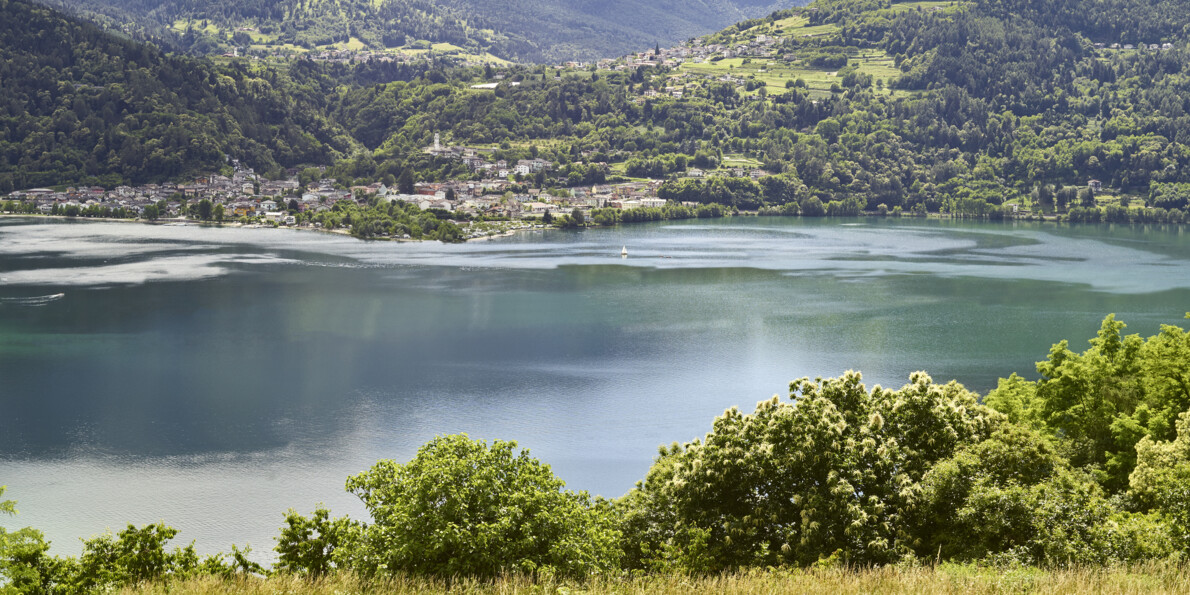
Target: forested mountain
968	108
522	30
81	105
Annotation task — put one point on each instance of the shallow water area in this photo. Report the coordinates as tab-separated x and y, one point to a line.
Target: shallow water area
214	377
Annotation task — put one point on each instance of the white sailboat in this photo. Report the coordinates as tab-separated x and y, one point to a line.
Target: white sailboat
624	252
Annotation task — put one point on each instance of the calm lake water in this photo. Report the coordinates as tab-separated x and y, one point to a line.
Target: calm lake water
213	378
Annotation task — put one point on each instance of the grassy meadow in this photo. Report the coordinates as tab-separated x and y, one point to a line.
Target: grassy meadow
775	72
945	579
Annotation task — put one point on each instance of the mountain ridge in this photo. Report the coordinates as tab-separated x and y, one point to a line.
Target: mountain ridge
517	30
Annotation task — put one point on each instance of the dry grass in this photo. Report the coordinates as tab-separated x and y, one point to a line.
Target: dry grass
1156	578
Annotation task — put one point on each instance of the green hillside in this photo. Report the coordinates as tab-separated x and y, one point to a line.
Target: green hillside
978	108
84	106
954	107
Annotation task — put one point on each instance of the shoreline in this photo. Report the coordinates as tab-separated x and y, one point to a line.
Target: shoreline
237	224
1043	218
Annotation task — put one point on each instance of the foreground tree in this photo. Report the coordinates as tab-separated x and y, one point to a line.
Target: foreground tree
463	508
206	209
133	556
1100	403
1013	498
25	563
834	472
1161	481
307	545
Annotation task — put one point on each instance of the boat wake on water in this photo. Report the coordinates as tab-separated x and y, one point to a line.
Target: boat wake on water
39	300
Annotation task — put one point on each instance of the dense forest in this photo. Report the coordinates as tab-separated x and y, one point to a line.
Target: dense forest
81	105
1088	465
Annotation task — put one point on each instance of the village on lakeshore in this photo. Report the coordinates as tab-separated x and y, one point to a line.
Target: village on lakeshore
245	197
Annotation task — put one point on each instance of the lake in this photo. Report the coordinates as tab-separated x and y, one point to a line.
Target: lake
214	377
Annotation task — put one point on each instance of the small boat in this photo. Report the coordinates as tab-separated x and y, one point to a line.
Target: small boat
624	252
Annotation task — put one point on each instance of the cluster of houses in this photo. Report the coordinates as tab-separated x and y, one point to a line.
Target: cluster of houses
493	198
676	88
1128	46
244	194
241	192
696	51
761	45
693	50
475	159
349	56
731	172
339	56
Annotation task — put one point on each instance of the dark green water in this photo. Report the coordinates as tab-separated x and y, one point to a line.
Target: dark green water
215	377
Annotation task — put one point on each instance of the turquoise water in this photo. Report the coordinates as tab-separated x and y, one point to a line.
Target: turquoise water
214	377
